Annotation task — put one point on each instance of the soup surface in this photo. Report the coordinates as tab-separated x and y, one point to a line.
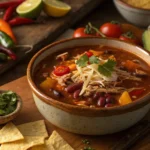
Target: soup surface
93	76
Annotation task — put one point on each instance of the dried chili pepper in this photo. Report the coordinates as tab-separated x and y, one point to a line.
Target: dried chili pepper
5	40
20	21
9	12
5	5
5	27
7	51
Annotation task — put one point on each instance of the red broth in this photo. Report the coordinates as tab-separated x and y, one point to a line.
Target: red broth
95	94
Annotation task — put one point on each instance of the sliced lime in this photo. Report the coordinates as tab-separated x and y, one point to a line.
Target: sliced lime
30	8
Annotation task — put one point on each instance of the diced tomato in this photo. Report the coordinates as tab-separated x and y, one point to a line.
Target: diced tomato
136	92
89	54
61	70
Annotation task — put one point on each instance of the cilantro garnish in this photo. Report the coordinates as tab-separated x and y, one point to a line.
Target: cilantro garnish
82	61
8	102
94	60
107	68
86	141
88	148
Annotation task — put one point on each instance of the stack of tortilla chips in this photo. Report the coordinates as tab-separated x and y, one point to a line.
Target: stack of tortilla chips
30	136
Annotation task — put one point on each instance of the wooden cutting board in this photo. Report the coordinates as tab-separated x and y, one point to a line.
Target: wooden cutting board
30	113
48	29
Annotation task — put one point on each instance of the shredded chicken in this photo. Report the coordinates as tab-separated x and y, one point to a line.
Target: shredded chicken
61	79
62	56
106	90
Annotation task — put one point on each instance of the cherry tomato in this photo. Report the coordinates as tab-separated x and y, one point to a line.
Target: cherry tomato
130	37
88	53
80	32
111	29
61	70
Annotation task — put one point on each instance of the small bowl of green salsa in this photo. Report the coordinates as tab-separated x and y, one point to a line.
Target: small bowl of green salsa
10	106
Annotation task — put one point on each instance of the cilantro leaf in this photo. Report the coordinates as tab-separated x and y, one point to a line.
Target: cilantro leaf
107	68
8	102
82	61
93	60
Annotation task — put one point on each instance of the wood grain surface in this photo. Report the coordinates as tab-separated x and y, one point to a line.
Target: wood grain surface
30	113
48	29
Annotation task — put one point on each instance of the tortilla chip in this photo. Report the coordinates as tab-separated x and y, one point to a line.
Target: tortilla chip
58	142
46	146
28	142
10	133
36	128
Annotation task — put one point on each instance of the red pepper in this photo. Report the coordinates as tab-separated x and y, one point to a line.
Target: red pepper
136	92
20	21
88	53
9	12
10	3
7	51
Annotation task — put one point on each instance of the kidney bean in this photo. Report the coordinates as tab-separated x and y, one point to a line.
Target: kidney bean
107	95
109	105
109	100
96	95
73	87
56	93
101	101
76	94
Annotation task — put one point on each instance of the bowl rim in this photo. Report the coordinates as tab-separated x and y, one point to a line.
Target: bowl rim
133	7
78	110
18	108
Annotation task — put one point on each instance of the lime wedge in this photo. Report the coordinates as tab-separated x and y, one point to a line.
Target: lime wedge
30	8
56	8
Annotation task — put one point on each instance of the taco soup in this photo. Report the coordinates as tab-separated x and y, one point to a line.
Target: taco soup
93	76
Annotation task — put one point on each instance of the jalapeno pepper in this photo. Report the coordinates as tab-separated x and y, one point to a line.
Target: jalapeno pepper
5	27
5	40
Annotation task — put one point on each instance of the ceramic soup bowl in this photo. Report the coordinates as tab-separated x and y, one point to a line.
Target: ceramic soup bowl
85	120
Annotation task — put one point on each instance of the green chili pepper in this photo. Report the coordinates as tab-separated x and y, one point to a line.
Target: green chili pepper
5	40
3	57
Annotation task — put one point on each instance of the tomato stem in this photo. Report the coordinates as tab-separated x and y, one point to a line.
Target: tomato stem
129	34
94	28
115	22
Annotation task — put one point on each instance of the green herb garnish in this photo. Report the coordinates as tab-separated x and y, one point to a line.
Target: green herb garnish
107	68
8	102
86	141
88	148
83	60
94	60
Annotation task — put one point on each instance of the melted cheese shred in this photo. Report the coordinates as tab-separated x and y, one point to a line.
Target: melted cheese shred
86	82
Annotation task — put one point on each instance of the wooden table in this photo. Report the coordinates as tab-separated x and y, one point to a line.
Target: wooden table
30	113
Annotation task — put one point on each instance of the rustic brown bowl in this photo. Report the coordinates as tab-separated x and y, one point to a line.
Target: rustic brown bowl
85	120
11	116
